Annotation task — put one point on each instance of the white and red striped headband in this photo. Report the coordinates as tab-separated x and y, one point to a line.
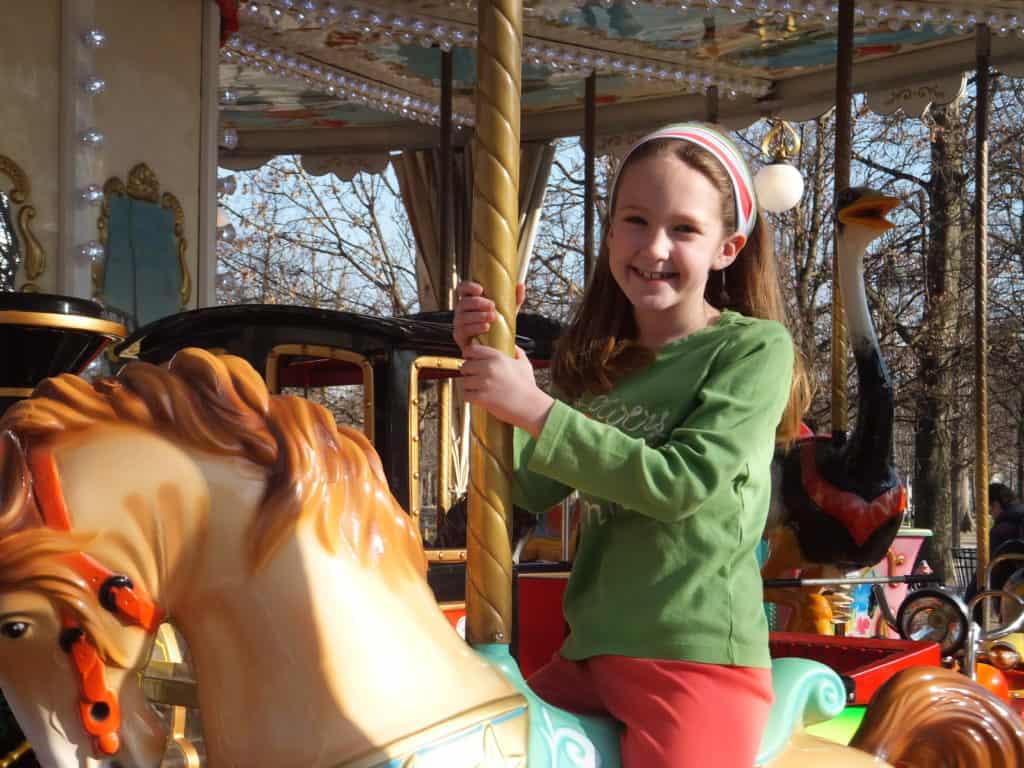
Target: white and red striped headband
723	150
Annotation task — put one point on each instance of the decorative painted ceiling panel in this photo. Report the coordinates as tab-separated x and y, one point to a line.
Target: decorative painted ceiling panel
309	66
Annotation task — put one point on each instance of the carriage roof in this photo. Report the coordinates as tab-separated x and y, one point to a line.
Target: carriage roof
214	327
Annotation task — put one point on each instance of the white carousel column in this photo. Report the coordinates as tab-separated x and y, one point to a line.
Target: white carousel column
81	145
209	117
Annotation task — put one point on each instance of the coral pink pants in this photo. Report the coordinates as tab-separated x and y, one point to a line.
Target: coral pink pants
677	714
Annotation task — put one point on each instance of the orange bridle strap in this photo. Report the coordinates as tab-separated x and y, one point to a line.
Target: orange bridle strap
116	592
46	485
98	705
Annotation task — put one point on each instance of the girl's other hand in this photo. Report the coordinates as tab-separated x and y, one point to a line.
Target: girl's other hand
505	387
474	312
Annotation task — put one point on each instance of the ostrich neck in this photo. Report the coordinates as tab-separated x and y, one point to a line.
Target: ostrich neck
869	451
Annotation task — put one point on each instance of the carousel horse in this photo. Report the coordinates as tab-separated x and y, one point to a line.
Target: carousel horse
268	536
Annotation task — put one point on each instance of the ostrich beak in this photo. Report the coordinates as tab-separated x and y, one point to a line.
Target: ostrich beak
869	210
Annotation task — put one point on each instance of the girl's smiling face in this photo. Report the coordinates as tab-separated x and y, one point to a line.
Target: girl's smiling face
665	237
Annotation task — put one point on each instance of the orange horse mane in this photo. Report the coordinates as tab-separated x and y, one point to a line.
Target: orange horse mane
316	470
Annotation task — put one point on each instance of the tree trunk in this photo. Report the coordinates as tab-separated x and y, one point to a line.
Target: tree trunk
1020	448
964	495
933	507
957	510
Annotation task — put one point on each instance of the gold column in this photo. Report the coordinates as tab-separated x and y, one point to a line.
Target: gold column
444	447
493	257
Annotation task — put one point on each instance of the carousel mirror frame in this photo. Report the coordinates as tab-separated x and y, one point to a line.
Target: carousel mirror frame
22	212
144	186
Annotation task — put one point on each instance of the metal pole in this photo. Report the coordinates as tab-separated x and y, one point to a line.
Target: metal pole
566	530
983	38
711	104
444	209
844	132
445	187
711	94
493	265
838	582
589	123
14	756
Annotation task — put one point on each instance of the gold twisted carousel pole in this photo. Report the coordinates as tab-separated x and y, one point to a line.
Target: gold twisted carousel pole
493	265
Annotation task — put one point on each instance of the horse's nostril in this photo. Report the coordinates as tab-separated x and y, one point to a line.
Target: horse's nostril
100	711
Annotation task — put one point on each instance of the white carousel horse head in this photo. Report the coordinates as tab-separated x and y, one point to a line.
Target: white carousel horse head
260	527
66	662
90	533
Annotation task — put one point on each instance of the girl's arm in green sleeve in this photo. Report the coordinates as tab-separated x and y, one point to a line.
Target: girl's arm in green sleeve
530	490
734	423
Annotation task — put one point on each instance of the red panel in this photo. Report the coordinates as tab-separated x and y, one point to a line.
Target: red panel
454	612
869	662
319	372
541	622
1015	678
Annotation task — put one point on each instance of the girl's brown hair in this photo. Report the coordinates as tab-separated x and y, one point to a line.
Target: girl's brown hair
600	347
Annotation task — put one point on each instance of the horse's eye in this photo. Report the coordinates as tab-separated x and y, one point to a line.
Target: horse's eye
13	629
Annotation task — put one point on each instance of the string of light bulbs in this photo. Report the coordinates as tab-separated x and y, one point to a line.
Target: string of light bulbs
332	81
226	186
952	17
410	28
91	138
958	18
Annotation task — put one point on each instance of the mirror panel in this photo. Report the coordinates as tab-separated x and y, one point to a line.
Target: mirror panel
18	244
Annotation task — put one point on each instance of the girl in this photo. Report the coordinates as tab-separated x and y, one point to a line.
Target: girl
673	377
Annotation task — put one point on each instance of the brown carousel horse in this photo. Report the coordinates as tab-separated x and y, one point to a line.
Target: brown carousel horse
268	536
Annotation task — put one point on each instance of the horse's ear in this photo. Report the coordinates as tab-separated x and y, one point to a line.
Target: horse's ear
18	508
248	383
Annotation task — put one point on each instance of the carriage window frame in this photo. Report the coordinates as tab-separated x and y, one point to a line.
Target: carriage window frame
331	353
434	362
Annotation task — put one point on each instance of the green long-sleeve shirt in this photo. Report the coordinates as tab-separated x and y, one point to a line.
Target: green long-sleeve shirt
673	470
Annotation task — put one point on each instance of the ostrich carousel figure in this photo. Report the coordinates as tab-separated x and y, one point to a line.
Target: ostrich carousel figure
269	537
838	500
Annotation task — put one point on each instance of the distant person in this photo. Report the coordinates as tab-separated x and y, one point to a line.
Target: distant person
1007	526
1007	517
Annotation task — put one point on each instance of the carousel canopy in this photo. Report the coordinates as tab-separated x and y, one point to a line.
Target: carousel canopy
314	77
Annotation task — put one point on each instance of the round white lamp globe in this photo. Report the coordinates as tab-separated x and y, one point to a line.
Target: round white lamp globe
779	187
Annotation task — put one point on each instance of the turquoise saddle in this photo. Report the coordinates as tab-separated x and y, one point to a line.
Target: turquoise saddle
806	692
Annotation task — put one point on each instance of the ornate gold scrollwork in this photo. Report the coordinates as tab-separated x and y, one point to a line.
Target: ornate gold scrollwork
168	681
781	142
35	257
143	185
